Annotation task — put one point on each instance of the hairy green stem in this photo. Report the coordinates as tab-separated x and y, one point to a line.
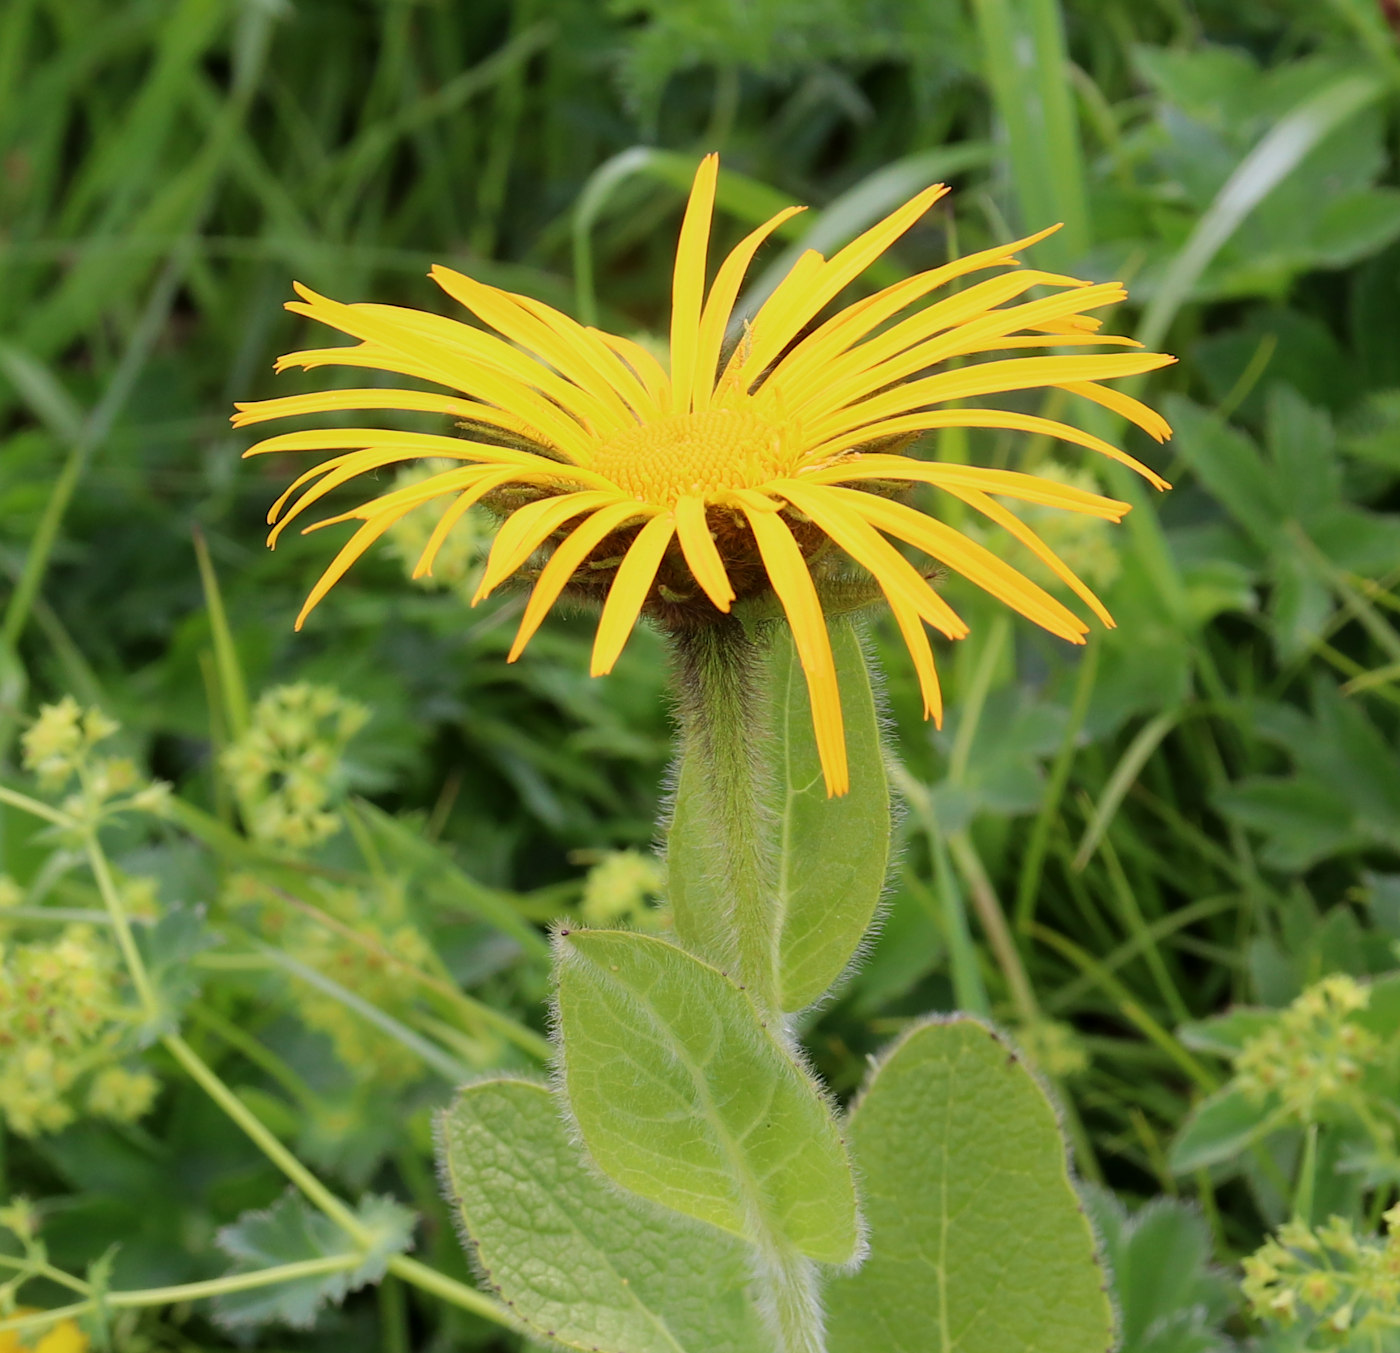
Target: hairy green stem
721	709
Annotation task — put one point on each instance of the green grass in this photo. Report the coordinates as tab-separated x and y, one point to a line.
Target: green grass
1197	810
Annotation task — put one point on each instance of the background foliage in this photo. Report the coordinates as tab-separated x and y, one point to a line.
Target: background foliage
1101	849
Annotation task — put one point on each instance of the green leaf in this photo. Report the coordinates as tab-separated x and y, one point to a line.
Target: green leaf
574	1257
978	1241
1226	1034
1221	1127
1169	1298
832	853
292	1232
693	881
682	1095
167	948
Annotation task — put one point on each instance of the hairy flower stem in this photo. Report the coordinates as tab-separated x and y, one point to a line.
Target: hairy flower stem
723	740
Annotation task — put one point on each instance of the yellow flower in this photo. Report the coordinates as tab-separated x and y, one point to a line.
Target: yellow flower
64	1337
732	475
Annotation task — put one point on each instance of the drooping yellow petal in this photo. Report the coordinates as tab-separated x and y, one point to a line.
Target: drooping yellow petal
895	574
916	641
1134	410
527	528
976	563
1013	524
933	419
701	554
345	468
719	306
787	571
565	562
349	553
460	506
688	283
1029	488
629	589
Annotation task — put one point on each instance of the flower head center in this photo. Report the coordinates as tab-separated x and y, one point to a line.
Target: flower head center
694	453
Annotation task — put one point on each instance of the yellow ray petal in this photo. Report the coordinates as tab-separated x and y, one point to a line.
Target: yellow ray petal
505	313
421	444
368	357
606	362
629	589
985	378
565	562
462	504
334	401
527	528
802	380
895	574
973	561
464	358
688	282
719	306
644	364
1134	410
774	330
853	322
739	373
1010	522
787	571
892	356
349	553
932	419
916	641
1029	488
698	546
340	471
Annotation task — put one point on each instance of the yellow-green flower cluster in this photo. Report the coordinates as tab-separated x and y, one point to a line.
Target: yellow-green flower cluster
457	562
1053	1047
1314	1053
364	942
62	1027
285	770
622	888
60	749
1347	1287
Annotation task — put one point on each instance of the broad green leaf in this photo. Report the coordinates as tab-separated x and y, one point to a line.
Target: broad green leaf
682	1095
694	869
168	948
978	1242
832	854
1221	1127
574	1257
292	1232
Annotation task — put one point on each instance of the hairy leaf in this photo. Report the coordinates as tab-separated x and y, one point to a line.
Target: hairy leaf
978	1242
683	1096
574	1258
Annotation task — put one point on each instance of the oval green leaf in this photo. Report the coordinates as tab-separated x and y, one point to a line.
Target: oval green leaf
832	854
978	1241
578	1261
682	1095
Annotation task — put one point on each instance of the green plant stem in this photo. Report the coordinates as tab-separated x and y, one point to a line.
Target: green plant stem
721	717
993	919
34	807
126	941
